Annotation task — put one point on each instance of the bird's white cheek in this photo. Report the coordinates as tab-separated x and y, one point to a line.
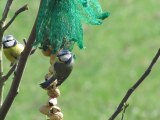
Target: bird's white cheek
65	57
9	44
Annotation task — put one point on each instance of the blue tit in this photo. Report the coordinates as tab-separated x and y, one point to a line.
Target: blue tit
12	48
62	68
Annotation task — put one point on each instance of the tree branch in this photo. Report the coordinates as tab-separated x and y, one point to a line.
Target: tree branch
33	50
6	10
20	68
16	81
25	42
1	92
2	23
132	89
2	30
124	110
4	78
22	9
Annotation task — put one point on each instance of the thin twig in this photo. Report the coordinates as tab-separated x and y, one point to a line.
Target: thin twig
20	10
1	93
4	78
33	51
16	81
6	10
124	110
25	42
132	89
2	30
2	23
1	68
3	27
19	72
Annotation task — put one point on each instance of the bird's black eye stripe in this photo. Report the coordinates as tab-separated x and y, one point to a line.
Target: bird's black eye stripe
7	41
62	54
4	46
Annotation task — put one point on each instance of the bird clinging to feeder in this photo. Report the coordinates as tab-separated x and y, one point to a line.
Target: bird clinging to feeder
61	69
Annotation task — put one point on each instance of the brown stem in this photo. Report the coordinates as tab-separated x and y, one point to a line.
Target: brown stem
25	42
2	23
4	16
4	78
6	10
22	9
124	109
33	50
2	30
16	81
2	82
1	51
20	68
1	93
133	88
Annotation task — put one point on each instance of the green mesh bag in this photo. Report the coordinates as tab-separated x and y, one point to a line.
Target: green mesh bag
59	22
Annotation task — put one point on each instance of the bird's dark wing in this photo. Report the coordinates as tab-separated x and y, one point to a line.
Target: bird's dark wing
47	83
62	72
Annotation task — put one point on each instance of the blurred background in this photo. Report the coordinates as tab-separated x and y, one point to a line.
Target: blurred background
116	55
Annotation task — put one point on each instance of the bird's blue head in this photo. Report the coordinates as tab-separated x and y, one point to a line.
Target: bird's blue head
9	41
65	56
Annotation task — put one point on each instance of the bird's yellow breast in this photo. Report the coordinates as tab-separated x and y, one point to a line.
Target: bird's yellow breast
13	53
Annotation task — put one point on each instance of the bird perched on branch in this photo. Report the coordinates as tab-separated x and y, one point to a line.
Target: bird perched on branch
12	48
61	68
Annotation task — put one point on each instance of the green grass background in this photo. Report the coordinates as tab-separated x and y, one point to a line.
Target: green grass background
116	55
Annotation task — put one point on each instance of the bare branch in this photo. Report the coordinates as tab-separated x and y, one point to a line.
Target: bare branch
1	93
25	42
132	89
1	59
32	51
1	70
2	30
6	10
22	9
124	110
2	22
4	78
16	81
20	68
